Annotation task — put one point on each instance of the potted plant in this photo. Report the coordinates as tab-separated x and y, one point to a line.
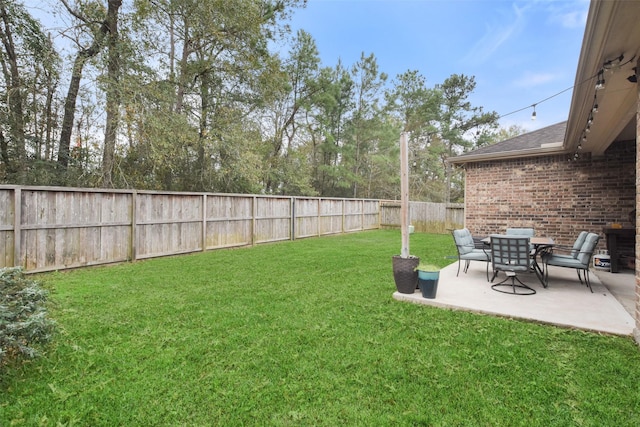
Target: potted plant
428	276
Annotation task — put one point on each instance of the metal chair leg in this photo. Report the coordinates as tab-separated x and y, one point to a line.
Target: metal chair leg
526	289
495	273
466	266
588	280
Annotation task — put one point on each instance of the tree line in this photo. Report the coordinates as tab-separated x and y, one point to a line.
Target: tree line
193	95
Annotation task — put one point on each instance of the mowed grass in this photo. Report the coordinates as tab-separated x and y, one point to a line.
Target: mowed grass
304	333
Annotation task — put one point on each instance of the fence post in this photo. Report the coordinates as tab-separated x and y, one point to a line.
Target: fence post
292	214
319	216
17	229
254	210
133	240
204	222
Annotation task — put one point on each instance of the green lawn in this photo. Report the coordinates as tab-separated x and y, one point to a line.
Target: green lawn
304	333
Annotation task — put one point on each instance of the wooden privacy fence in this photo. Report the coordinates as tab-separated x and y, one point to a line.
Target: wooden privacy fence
52	228
426	217
47	228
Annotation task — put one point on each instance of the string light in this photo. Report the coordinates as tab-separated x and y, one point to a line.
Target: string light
616	62
600	82
612	63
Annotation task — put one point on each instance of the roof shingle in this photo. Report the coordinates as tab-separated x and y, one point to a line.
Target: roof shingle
525	142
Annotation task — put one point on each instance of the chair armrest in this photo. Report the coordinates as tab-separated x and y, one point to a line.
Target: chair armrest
561	248
479	244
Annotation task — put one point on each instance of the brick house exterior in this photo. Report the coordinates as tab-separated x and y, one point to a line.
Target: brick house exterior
515	184
557	196
580	174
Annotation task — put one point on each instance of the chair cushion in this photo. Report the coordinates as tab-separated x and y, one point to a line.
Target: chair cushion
556	256
577	245
530	232
586	251
475	255
564	261
509	267
464	241
581	261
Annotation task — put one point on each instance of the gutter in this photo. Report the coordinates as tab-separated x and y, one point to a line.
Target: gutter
544	150
591	52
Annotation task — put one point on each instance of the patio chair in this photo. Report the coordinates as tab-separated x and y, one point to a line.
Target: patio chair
511	254
529	232
572	251
578	259
467	250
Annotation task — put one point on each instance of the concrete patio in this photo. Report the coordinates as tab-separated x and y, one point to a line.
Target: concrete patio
565	303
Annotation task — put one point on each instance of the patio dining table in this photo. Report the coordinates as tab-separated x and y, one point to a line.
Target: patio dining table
540	245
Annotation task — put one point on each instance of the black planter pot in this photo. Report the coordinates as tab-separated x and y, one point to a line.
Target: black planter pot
405	274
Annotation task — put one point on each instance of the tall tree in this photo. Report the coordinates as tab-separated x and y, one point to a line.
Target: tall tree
367	120
331	107
97	25
416	107
491	136
218	60
44	93
112	90
15	94
29	75
291	100
456	118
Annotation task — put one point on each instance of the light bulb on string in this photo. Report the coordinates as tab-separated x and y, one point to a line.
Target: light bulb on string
600	82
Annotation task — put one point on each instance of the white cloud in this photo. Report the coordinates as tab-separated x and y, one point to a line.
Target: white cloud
497	34
572	20
569	14
530	79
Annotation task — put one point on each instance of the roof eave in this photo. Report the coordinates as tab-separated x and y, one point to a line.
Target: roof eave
592	47
532	152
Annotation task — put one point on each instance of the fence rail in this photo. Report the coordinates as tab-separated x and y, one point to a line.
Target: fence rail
53	228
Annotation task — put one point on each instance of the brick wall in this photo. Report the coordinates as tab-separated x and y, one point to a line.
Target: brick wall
557	197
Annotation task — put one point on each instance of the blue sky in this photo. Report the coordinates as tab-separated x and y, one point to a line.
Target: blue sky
520	52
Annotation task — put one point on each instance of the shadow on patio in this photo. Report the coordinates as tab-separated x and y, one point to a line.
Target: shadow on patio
564	303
